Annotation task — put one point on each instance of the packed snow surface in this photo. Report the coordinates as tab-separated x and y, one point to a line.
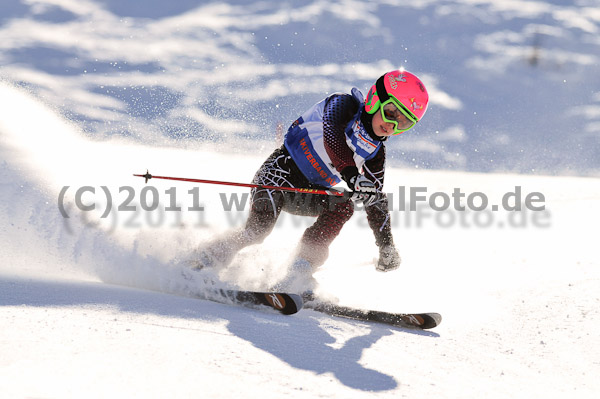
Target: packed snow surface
100	307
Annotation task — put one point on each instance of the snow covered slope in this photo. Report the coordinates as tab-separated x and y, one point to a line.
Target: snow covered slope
519	293
514	84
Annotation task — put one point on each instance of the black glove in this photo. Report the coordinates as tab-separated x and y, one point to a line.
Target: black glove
363	189
389	259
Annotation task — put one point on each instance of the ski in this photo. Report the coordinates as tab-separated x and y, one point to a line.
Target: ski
422	321
288	304
284	303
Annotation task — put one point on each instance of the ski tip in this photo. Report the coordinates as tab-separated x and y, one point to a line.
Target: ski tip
430	320
297	301
285	303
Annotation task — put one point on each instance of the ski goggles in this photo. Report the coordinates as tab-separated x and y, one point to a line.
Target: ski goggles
396	113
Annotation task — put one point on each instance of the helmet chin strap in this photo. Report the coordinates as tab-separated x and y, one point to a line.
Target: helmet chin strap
367	121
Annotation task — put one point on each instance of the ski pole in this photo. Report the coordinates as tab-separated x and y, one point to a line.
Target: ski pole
335	193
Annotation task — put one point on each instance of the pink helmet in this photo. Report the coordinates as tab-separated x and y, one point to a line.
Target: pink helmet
401	87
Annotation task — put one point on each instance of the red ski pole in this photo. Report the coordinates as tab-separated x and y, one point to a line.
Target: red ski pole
336	193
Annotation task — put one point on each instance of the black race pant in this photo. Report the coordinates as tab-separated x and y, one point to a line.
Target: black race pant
266	205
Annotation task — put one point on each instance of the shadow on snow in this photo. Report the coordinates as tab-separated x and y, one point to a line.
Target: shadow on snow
297	340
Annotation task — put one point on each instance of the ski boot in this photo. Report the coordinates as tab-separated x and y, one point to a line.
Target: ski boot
299	279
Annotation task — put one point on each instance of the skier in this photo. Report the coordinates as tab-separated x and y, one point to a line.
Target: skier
340	138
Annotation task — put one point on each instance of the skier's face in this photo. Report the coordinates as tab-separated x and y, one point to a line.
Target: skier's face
380	127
